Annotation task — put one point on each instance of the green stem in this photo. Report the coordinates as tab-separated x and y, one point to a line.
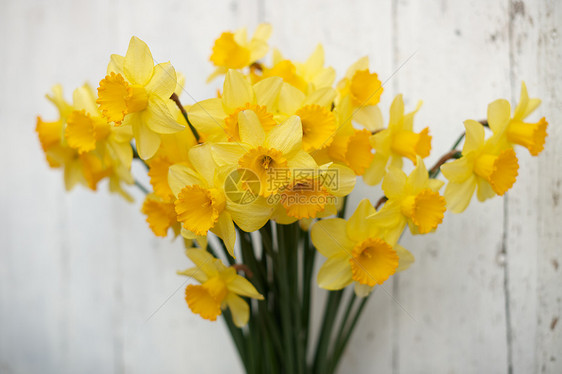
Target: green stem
141	187
285	299
340	348
237	337
330	313
136	156
309	254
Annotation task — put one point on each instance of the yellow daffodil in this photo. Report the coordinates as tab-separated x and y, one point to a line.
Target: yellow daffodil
313	193
512	129
137	93
220	288
86	167
485	164
273	157
319	124
201	203
174	149
87	130
412	199
397	141
357	252
348	145
235	51
217	119
363	90
306	77
160	215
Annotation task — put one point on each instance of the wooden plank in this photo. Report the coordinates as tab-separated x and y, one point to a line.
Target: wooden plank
521	214
454	291
549	334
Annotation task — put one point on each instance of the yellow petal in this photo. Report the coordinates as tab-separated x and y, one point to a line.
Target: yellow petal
474	137
358	227
208	116
115	65
194	273
290	98
180	176
362	290
138	63
158	117
458	195
458	171
250	128
406	258
201	158
335	273
147	140
241	286
287	137
226	154
499	114
239	309
419	177
396	111
163	82
376	170
203	260
267	92
394	183
237	90
370	117
224	229
330	238
250	217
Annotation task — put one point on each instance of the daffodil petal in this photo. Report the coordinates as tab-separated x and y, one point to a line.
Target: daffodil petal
147	140
393	183
458	195
267	92
330	238
335	273
201	158
163	82
194	273
286	137
499	113
180	176
208	117
241	286
250	128
239	309
138	62
362	290
406	258
203	260
250	217
227	153
224	229
474	137
370	117
158	117
358	227
237	90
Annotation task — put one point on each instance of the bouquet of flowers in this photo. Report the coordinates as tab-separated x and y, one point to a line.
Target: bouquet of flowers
256	181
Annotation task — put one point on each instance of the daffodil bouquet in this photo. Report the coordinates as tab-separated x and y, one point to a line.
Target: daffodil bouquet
276	154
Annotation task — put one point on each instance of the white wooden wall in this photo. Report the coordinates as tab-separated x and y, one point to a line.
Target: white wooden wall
81	275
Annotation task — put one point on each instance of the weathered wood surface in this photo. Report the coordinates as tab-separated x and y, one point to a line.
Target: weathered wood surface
84	285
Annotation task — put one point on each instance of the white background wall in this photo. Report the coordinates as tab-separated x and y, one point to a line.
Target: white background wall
80	273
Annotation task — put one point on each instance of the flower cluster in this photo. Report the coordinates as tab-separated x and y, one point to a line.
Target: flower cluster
282	142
